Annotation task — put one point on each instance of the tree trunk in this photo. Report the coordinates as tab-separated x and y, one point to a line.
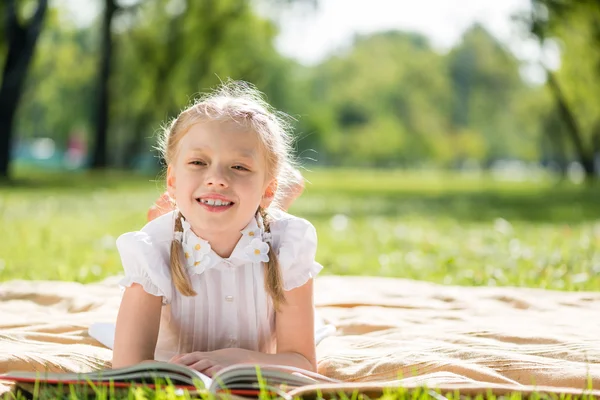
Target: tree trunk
21	44
586	158
99	159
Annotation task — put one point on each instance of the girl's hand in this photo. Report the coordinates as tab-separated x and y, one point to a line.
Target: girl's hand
211	362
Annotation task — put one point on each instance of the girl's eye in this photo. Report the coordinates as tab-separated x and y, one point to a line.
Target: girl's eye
240	168
197	162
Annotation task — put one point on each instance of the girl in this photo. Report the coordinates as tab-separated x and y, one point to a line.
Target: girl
226	277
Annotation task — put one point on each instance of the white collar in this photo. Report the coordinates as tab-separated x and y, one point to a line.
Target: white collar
251	247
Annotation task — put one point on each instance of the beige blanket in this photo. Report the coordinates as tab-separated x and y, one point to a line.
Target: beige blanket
388	329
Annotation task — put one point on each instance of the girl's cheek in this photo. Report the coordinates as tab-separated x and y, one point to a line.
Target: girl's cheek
194	176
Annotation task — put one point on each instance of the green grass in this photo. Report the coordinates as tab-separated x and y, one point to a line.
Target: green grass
441	227
168	392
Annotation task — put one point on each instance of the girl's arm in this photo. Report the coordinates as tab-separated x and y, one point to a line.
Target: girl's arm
295	327
138	322
295	339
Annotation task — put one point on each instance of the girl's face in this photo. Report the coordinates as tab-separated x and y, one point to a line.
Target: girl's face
219	177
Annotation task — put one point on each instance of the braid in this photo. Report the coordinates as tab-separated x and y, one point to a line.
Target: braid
273	280
177	265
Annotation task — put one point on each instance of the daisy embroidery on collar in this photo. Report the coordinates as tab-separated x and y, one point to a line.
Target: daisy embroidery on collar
257	251
195	249
252	231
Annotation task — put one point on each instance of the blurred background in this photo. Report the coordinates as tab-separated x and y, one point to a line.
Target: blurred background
450	141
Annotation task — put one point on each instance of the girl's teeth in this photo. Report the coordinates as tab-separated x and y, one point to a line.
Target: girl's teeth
212	202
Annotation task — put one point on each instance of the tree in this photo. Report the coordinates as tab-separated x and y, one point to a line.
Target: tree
22	38
576	26
103	91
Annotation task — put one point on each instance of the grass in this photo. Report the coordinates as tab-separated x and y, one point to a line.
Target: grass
168	392
441	227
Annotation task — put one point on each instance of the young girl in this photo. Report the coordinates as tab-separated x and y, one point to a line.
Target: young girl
226	277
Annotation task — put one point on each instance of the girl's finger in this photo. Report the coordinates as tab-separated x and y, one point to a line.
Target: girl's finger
202	365
212	370
189	358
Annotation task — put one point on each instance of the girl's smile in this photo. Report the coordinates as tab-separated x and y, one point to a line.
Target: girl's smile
214	202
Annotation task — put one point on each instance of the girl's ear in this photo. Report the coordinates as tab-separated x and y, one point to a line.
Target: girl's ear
269	194
171	181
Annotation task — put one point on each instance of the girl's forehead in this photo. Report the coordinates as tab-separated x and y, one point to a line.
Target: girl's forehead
217	131
228	136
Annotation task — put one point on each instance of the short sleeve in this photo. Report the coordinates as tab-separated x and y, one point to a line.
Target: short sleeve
297	250
144	264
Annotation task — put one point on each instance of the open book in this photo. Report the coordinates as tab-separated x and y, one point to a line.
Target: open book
239	379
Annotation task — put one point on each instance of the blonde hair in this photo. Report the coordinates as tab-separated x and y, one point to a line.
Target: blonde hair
242	103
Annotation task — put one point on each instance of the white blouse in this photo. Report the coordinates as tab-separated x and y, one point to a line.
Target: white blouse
231	308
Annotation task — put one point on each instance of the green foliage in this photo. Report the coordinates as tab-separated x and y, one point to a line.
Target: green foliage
386	97
441	227
389	99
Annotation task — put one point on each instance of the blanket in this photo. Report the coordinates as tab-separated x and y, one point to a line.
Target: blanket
389	332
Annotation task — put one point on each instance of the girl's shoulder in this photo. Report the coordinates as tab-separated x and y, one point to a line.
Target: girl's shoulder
295	241
161	228
154	238
285	224
145	257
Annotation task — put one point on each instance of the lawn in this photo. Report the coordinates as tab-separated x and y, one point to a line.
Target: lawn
441	227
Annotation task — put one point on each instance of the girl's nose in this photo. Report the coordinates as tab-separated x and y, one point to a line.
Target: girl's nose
216	177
